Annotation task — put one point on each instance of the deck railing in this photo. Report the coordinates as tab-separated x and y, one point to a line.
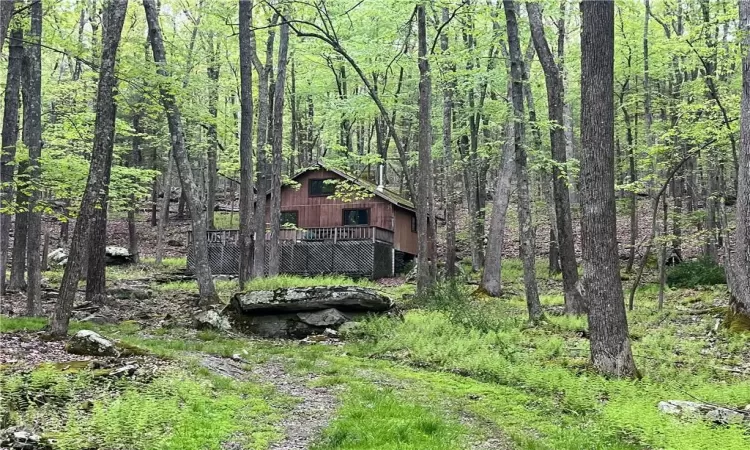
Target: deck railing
333	234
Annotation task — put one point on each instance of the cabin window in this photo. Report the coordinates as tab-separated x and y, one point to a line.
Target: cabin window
319	187
288	217
413	224
355	217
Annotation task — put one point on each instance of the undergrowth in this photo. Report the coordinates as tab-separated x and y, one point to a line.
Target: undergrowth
699	272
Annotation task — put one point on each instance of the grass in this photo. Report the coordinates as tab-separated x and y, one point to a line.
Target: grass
380	418
181	408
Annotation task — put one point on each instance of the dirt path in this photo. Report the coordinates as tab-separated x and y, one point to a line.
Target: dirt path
306	420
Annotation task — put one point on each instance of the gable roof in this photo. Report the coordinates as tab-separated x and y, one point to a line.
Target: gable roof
385	194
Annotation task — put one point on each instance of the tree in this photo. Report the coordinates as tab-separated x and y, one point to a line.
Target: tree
450	175
31	91
6	14
104	130
274	256
574	302
608	326
526	228
425	184
739	263
11	101
246	141
202	269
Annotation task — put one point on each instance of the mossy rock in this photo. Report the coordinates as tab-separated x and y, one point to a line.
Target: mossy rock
737	322
130	350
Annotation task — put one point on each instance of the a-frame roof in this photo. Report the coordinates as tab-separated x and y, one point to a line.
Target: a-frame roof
385	194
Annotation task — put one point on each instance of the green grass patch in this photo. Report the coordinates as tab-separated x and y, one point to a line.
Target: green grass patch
699	272
379	418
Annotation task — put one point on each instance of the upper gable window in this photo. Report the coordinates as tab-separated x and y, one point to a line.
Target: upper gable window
319	187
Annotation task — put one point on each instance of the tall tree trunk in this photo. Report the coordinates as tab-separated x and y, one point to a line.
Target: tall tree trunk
425	184
134	161
264	110
179	152
104	131
246	144
574	301
274	251
11	102
739	265
526	227
450	170
608	326
491	276
6	13
31	88
213	137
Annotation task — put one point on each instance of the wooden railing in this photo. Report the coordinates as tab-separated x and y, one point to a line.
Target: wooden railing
333	234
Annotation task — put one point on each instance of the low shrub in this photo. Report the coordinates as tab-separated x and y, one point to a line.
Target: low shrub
699	272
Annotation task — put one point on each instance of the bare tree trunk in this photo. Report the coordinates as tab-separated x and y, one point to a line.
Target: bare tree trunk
104	131
264	109
425	213
491	277
134	161
246	144
17	280
6	13
213	138
608	326
450	170
164	211
189	188
574	301
274	251
31	88
11	102
526	227
739	264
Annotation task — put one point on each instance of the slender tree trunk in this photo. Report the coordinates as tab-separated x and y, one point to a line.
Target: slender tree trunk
264	110
179	152
134	161
450	170
608	326
425	213
164	211
17	280
104	131
526	227
574	301
11	102
246	144
213	137
274	256
491	277
31	88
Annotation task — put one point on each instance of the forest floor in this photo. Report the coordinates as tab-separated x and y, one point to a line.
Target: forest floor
455	372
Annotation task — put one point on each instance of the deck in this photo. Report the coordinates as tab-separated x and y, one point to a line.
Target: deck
356	251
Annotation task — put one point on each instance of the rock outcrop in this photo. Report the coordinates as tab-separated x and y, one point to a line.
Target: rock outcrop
299	312
114	256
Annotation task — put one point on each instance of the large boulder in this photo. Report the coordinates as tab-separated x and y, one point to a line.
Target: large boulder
117	256
90	343
293	300
300	312
57	258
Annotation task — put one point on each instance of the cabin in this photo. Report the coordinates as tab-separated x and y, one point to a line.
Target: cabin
332	222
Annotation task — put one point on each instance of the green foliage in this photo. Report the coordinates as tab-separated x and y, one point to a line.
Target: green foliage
381	418
699	272
290	281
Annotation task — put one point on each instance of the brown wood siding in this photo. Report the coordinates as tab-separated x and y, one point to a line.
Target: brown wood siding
320	211
404	239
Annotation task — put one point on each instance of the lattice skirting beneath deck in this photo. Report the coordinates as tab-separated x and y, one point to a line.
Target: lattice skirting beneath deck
354	258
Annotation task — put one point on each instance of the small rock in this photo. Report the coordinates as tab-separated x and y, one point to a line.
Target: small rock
210	320
57	258
349	327
330	333
127	370
89	343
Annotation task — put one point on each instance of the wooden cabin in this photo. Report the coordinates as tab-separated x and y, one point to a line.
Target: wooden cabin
332	222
